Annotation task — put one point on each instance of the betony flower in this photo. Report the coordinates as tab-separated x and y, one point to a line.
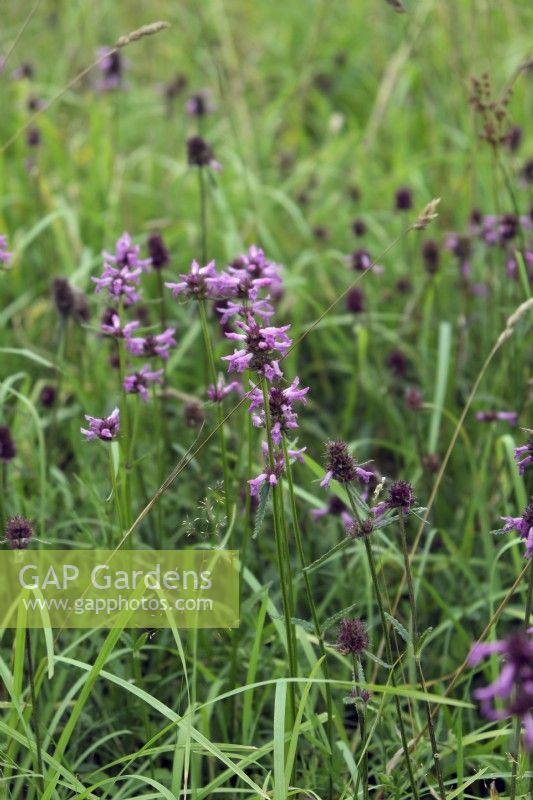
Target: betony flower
5	255
200	153
282	415
524	526
514	685
63	296
335	508
431	256
105	429
114	328
352	638
152	345
217	393
18	533
525	450
47	396
127	255
361	260
199	104
272	474
261	346
494	416
199	283
119	282
401	497
8	451
139	382
159	255
111	68
403	199
355	300
342	467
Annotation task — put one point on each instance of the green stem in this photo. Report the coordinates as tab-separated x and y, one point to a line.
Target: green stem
312	608
203	215
220	411
35	712
418	665
518	724
388	650
361	716
125	430
283	562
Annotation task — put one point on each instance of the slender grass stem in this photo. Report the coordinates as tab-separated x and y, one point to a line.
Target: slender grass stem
35	712
418	665
312	608
388	649
361	715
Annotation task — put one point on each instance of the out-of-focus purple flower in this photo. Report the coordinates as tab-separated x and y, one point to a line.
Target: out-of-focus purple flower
398	363
342	467
217	393
105	429
139	382
25	71
111	66
151	345
271	475
199	104
414	399
127	255
459	245
361	261
514	685
159	255
113	328
283	418
5	255
524	455
403	199
200	153
8	451
261	346
513	138
335	508
47	396
359	227
524	526
119	283
199	283
431	256
494	416
355	300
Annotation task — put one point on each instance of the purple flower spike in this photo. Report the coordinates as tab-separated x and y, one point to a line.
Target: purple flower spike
282	415
105	429
526	450
114	328
150	346
493	416
524	526
111	68
513	688
139	382
261	346
217	393
341	466
5	255
127	255
199	283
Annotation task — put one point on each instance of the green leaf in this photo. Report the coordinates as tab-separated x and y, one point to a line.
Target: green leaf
338	547
398	627
261	510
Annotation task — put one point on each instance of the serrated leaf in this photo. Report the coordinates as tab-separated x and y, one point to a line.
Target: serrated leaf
337	548
398	627
336	617
377	660
422	640
261	510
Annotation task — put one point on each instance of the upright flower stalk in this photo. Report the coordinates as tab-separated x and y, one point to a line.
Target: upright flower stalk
414	623
342	467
